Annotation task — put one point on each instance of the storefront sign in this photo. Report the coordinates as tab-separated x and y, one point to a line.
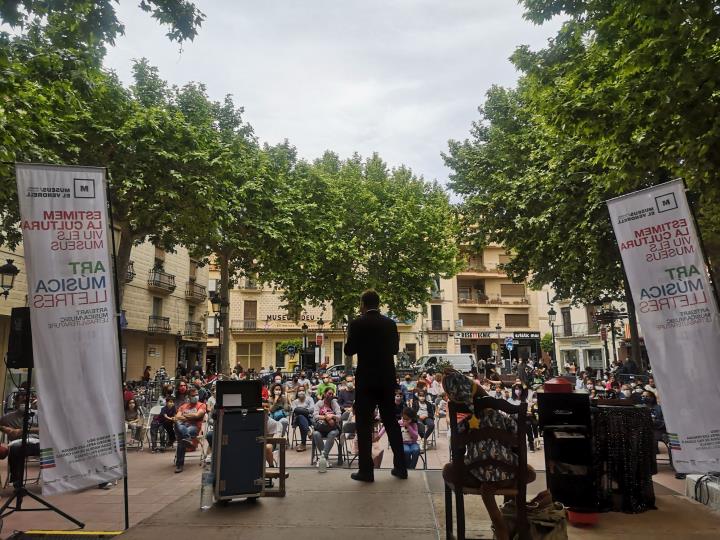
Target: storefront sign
288	318
679	316
474	335
72	309
526	335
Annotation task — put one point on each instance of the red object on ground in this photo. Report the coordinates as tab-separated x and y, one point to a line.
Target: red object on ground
582	518
558	385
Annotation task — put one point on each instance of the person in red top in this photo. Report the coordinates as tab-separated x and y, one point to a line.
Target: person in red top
265	393
188	423
127	394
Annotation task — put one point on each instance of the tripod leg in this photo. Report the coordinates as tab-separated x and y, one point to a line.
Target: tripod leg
55	509
8	502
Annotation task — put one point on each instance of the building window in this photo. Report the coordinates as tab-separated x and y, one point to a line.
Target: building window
591	322
213	285
191	313
193	270
566	321
212	325
249	354
512	289
505	258
594	358
159	254
157	307
517	320
475	319
411	351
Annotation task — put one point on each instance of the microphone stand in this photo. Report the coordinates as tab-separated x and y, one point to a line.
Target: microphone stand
20	491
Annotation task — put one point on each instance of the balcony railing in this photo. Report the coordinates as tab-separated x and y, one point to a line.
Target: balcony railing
250	284
576	330
195	293
130	273
158	325
483	268
497	300
241	325
437	326
193	330
159	280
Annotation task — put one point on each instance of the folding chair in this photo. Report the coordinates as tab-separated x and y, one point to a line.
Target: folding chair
347	436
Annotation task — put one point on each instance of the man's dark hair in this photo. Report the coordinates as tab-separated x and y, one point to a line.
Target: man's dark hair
370	299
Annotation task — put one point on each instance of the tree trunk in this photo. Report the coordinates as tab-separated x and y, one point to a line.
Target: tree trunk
122	258
225	297
632	319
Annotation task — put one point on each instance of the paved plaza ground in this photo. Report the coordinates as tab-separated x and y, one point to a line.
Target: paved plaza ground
319	506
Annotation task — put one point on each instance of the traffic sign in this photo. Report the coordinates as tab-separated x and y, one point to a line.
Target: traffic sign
509	346
603	333
508	341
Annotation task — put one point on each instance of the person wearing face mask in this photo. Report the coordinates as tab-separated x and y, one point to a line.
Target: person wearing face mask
425	412
279	407
346	396
625	392
325	384
326	421
302	410
399	404
188	423
303	380
181	392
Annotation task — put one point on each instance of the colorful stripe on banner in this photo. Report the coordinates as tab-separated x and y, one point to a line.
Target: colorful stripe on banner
674	441
47	458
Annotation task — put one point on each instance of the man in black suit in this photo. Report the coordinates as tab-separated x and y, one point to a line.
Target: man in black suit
375	339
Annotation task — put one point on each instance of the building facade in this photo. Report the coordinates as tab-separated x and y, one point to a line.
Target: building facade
474	312
164	310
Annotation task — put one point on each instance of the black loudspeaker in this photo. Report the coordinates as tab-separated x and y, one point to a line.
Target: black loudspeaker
242	394
20	351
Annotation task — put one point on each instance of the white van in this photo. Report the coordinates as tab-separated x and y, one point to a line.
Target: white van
462	362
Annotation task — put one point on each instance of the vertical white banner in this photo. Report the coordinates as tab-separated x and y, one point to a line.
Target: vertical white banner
678	314
75	344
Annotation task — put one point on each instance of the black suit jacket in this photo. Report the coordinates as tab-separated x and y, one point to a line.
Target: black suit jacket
375	340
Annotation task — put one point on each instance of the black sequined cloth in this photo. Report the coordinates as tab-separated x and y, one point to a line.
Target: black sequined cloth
624	454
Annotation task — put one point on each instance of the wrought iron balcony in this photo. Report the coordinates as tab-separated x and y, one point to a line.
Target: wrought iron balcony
195	293
576	330
130	273
161	281
158	325
437	326
193	330
241	325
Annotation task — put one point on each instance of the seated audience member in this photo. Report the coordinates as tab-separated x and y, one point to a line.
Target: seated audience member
625	392
442	406
399	404
181	392
435	388
279	407
11	425
127	393
302	409
164	420
303	380
326	425
133	421
650	386
326	383
188	423
407	387
346	396
377	449
409	430
425	412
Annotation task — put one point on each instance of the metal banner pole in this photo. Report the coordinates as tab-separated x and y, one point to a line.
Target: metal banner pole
119	336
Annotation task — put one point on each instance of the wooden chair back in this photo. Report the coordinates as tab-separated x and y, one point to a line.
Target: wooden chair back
516	441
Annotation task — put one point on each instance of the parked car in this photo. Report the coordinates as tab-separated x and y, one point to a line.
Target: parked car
464	362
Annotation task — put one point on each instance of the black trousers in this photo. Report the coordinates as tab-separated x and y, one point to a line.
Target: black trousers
366	399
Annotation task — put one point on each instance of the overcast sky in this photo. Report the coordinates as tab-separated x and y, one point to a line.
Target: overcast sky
399	77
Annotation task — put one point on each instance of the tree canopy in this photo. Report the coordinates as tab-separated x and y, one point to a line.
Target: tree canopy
624	97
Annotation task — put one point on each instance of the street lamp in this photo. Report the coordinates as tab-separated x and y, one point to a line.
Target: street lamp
8	271
219	307
304	329
552	315
498	356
